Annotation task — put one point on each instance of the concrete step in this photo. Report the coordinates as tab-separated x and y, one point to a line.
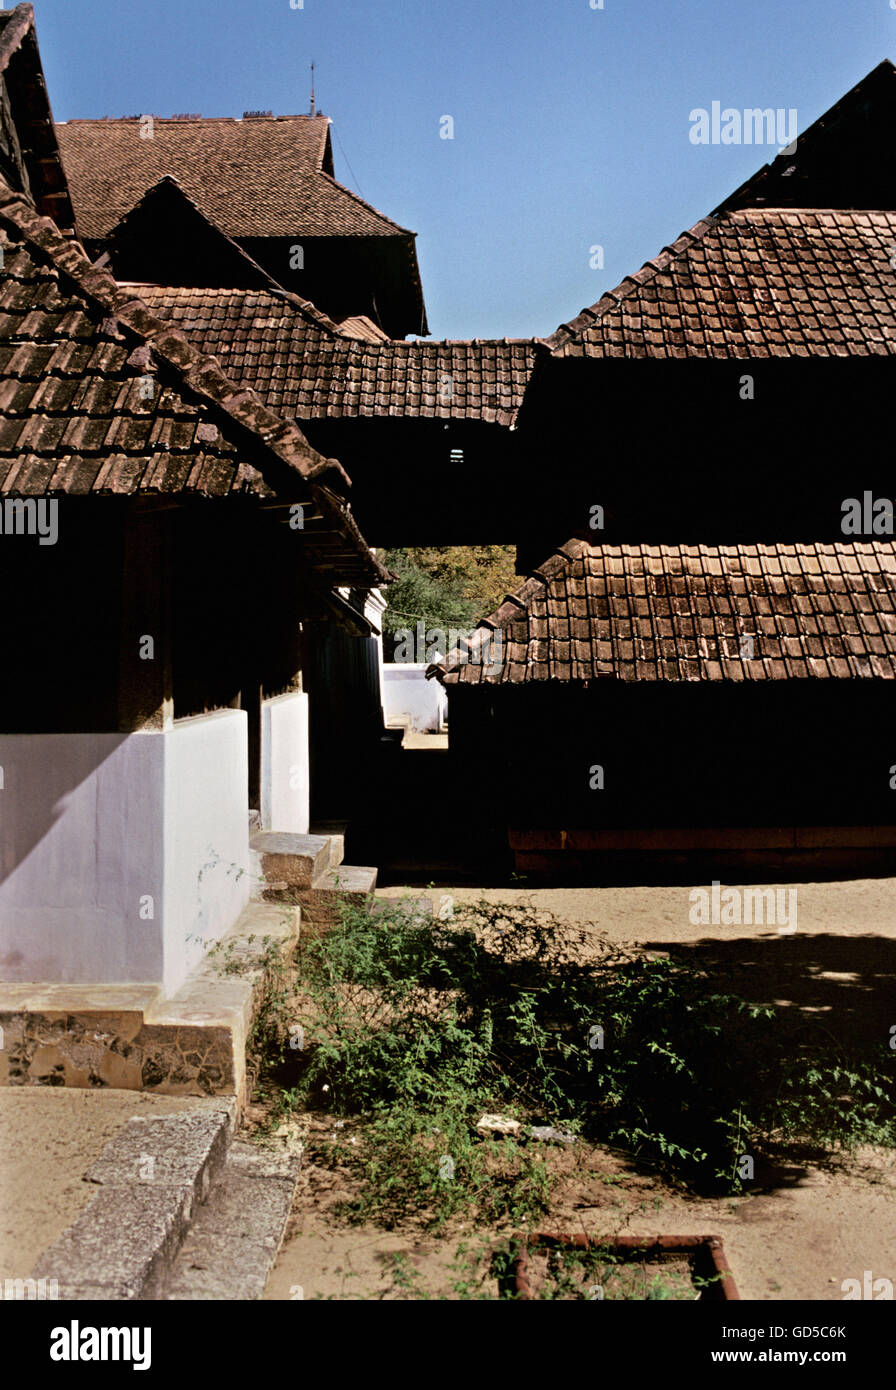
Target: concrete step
291	861
234	1239
152	1177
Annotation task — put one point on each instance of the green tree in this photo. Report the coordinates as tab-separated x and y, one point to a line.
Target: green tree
445	586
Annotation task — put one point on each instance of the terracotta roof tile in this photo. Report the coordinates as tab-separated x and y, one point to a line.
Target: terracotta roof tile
98	394
703	612
295	357
254	178
791	282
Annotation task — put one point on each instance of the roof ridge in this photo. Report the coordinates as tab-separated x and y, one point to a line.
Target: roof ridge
630	284
779	209
184	120
308	309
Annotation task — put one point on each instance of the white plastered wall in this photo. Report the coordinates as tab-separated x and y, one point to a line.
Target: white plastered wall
285	774
116	849
409	698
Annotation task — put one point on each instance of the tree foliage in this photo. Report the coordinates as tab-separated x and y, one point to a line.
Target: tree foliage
446	586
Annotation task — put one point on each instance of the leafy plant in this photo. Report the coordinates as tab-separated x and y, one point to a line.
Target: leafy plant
419	1027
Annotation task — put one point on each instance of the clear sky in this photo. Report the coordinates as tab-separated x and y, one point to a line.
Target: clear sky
571	124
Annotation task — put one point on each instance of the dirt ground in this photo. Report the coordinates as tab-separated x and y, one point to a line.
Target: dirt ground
797	1240
798	1235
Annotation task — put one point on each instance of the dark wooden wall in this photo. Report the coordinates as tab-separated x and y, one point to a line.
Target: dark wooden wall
673	454
217	587
407	491
348	275
676	754
345	721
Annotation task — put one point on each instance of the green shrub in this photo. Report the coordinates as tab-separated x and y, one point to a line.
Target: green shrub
419	1027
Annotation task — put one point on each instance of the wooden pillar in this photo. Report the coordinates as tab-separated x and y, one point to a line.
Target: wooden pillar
252	696
145	693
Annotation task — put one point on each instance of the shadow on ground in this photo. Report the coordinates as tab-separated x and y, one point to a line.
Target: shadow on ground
842	986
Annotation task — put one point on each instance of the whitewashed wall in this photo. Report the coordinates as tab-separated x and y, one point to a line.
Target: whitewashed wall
409	697
285	776
206	814
114	849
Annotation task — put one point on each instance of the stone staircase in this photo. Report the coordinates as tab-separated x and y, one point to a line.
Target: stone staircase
182	1210
193	1041
307	871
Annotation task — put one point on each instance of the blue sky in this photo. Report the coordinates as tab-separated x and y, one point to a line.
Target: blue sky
571	124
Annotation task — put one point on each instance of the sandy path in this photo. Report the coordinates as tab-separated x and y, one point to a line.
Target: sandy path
49	1137
662	913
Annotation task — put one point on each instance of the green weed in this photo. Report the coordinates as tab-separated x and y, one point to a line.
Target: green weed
418	1027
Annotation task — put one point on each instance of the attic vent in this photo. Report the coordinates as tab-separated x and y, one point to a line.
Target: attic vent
457	455
251	115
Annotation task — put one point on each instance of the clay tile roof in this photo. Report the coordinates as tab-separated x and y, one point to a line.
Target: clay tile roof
756	282
678	612
254	178
300	362
98	394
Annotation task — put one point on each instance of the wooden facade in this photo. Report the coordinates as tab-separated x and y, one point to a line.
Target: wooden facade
705	663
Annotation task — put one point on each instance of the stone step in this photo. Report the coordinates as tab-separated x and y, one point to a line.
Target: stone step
348	883
335	831
212	1013
152	1177
134	1037
420	907
294	861
350	880
235	1237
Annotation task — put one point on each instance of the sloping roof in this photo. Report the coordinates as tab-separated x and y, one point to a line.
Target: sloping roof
97	395
299	362
35	167
843	160
760	282
691	613
262	177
